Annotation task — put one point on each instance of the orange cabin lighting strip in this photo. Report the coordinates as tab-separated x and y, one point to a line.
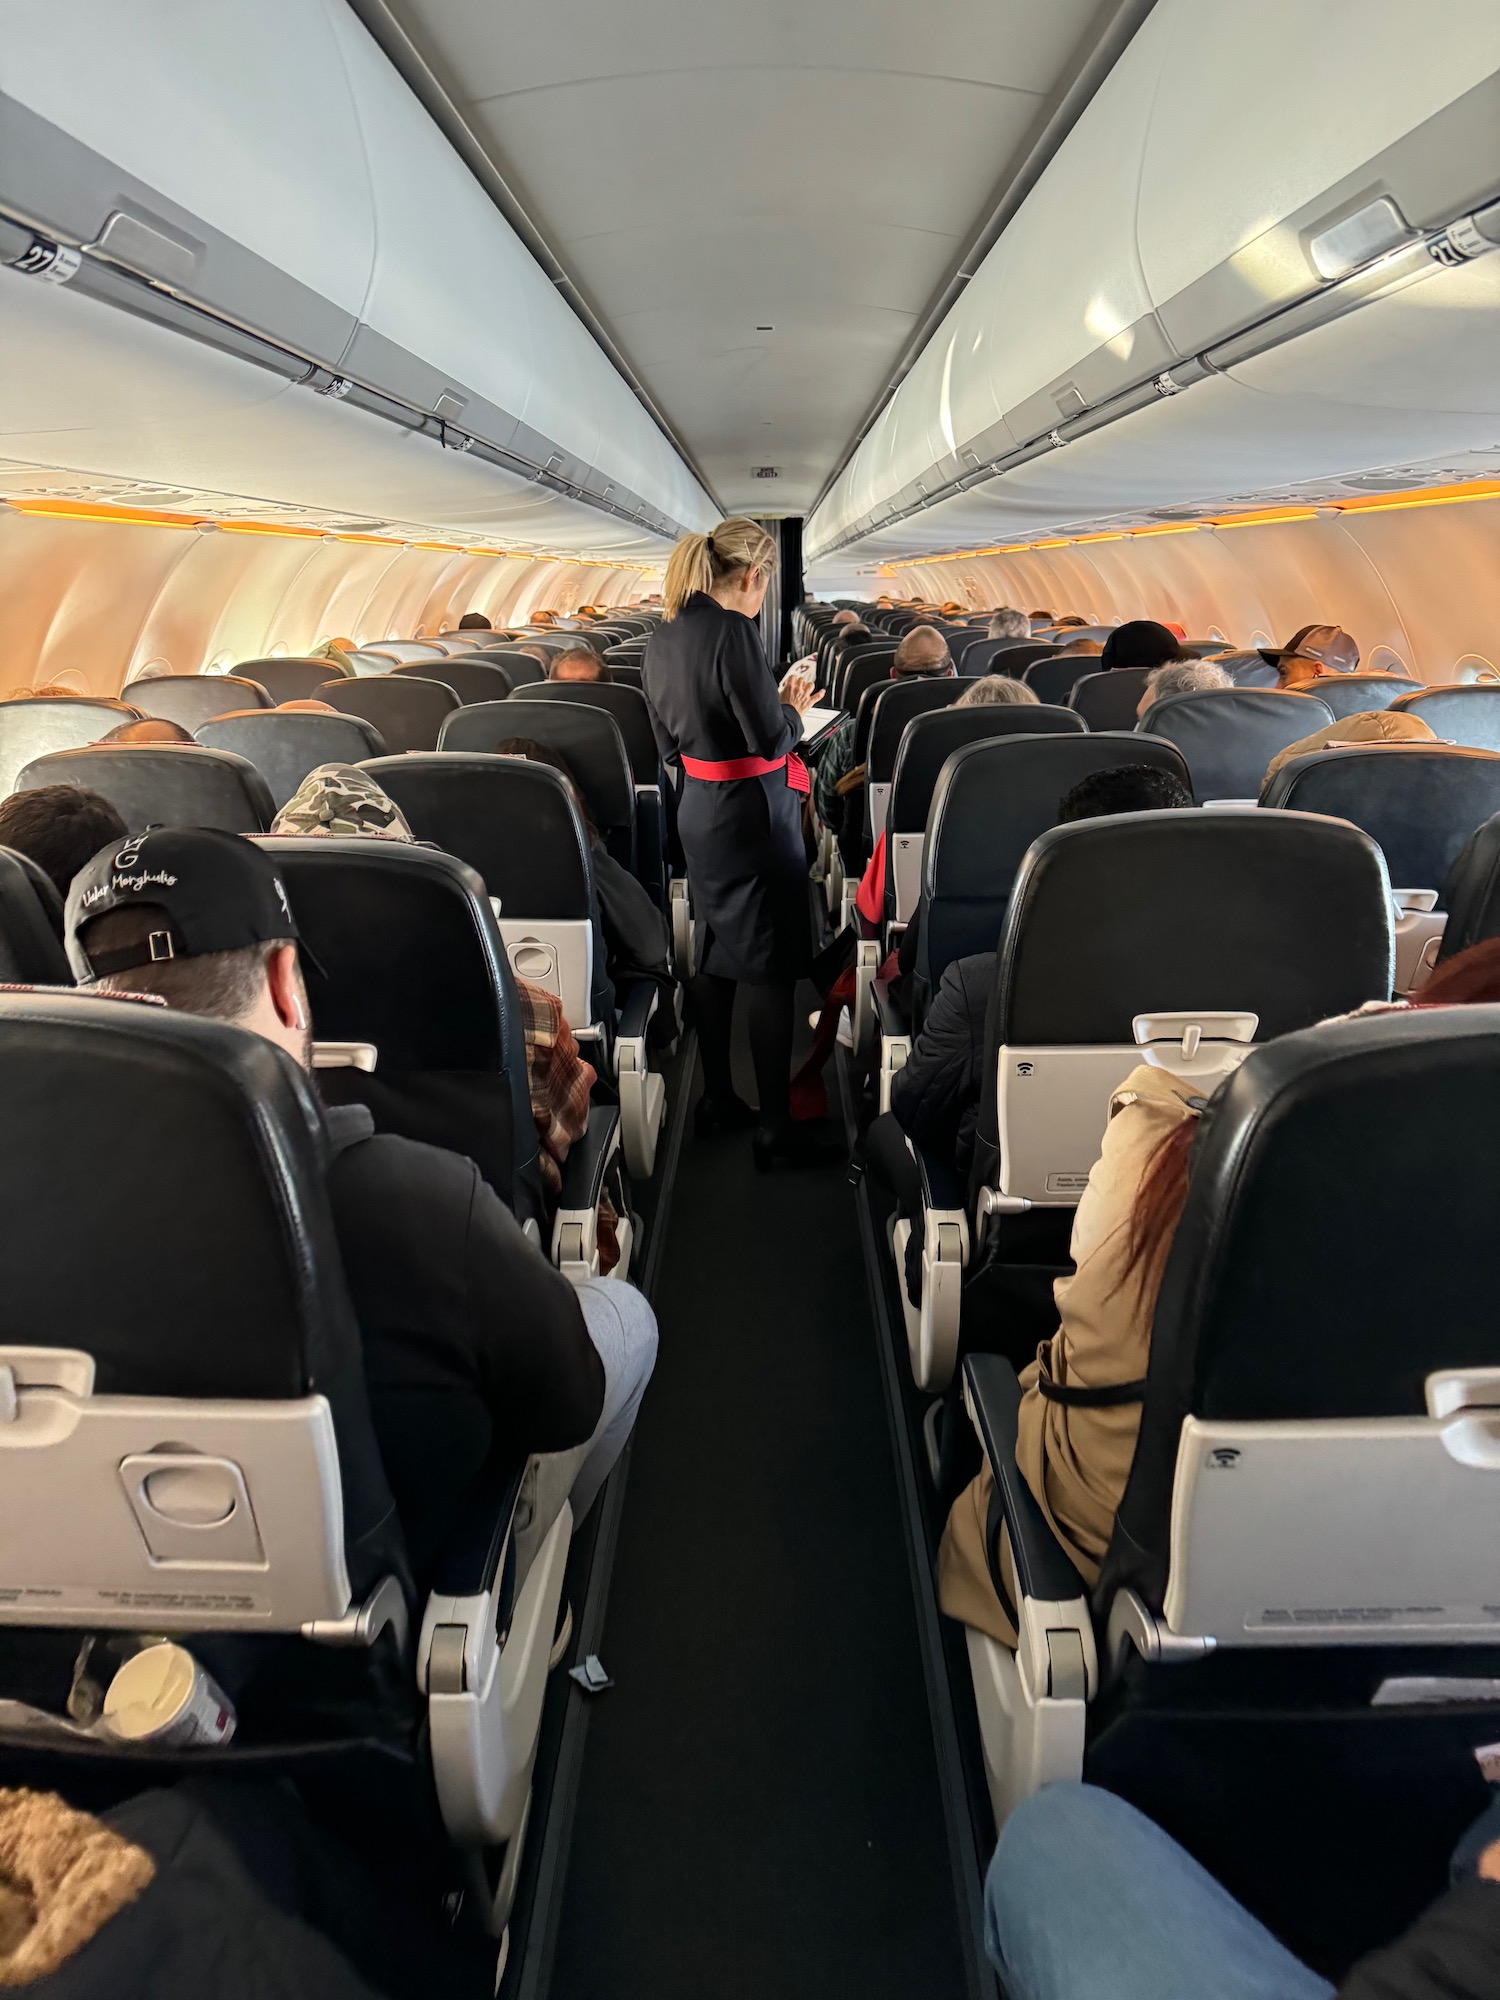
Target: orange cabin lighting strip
1263	519
83	510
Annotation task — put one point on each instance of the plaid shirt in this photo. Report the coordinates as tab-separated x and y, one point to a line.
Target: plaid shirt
559	1081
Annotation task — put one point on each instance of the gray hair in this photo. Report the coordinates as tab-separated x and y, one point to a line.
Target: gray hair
997	691
1186	677
1008	623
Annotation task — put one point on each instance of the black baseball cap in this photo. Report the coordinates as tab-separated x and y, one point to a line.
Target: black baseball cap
213	891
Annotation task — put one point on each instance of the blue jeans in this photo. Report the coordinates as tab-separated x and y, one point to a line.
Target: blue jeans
1086	1899
622	1327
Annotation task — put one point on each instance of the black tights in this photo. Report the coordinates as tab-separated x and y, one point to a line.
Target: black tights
770	1024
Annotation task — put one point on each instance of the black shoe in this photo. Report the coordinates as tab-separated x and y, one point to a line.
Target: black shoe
721	1114
796	1146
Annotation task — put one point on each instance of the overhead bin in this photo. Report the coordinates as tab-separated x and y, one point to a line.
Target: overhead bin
1195	202
264	180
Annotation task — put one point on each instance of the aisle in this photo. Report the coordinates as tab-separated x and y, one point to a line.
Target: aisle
759	1816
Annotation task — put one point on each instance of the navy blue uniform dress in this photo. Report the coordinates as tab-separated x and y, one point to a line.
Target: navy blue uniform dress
713	698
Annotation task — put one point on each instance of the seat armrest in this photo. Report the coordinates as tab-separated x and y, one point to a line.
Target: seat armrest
575	1231
472	1557
638	1002
889	1018
941	1186
895	1037
1043	1567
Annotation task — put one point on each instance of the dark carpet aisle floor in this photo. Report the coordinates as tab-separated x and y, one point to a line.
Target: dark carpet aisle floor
759	1816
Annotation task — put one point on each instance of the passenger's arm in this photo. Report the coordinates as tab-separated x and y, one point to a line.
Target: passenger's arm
938	1081
1452	1951
771	727
539	1372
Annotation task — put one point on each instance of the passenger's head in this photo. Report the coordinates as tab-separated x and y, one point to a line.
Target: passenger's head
474	621
1063	624
736	556
1037	618
336	652
1470	978
1087	648
857	634
149	729
307	707
59	827
1314	651
340	802
543	753
199	918
997	691
1370	725
1181	677
578	663
541	654
1140	642
922	651
55	691
1008	623
1123	788
845	617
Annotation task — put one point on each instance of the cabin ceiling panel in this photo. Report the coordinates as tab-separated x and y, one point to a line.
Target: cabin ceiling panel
697	171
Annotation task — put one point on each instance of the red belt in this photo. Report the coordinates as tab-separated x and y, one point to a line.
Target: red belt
723	771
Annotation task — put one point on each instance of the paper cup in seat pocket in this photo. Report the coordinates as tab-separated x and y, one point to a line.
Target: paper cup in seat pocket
163	1700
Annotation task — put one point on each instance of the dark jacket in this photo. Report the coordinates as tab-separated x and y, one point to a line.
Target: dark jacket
473	1343
1452	1952
635	931
935	1095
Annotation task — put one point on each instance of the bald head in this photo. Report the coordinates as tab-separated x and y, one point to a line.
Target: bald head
845	618
577	663
922	651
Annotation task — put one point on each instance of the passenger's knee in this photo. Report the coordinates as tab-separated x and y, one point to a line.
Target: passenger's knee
1058	1831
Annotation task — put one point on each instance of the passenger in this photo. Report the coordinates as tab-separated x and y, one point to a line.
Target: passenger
1314	651
341	802
636	939
474	621
1086	1896
1039	619
997	691
149	729
922	655
59	827
55	691
579	663
1141	642
1371	725
337	653
1063	624
474	1346
1078	648
304	707
857	635
1008	623
1075	1455
1180	677
935	1095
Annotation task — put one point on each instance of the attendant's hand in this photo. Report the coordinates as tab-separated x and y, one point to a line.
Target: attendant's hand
797	689
1489	1863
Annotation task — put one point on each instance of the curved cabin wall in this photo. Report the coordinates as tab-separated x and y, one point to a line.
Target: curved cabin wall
90	603
1419	583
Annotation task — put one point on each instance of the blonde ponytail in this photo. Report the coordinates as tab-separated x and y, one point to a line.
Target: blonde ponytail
700	561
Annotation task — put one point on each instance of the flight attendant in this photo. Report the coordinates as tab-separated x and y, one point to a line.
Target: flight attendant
721	717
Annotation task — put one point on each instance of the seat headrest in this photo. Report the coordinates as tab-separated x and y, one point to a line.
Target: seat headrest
1355	694
1467	715
1471	892
1421	801
587	737
1282	915
895	705
1002	656
162	784
513	822
472	680
30	729
1230	735
1337	1245
930	740
625	704
31	925
284	748
288	679
1053	680
188	699
407	711
1110	700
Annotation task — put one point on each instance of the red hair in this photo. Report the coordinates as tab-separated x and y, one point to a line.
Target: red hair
1466	980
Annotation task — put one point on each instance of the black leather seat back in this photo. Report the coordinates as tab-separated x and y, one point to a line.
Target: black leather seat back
930	740
1110	700
287	679
471	680
588	738
991	801
862	668
627	707
1248	669
520	668
162	1207
31	729
284	748
163	784
407	710
31	925
404	952
1001	656
892	708
1356	694
188	699
1053	680
1337	1245
1280	914
1230	735
1420	801
1471	893
511	821
1467	715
